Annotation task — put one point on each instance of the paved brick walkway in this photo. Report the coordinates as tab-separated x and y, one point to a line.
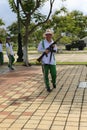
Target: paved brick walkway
26	105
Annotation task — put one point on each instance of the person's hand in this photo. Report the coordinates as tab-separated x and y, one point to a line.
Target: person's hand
46	51
53	46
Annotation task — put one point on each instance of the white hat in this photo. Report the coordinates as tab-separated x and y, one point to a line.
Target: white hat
48	31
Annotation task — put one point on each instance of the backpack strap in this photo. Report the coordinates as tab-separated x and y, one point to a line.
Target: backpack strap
9	44
43	44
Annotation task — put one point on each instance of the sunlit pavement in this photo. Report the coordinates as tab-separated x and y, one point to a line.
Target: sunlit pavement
26	105
60	57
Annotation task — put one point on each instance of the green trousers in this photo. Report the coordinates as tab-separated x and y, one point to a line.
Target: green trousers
1	58
11	60
46	68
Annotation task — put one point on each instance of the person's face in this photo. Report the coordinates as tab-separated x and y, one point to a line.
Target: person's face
8	40
48	36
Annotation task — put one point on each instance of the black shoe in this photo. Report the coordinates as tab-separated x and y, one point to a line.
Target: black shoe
49	90
11	68
54	86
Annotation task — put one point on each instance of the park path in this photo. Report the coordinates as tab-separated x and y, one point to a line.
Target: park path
26	105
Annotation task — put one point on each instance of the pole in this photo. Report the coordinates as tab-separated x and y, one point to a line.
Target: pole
19	52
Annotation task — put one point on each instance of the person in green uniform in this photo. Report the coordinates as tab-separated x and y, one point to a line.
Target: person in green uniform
10	53
48	61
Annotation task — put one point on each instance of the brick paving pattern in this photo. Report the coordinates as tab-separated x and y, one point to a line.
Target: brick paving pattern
26	105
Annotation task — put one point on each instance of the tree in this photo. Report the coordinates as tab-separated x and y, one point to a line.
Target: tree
2	30
30	12
2	33
13	31
1	22
72	24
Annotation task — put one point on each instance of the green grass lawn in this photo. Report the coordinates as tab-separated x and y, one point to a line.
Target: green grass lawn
35	62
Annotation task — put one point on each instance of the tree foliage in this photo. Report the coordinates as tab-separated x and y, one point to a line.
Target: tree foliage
1	22
2	30
33	22
72	24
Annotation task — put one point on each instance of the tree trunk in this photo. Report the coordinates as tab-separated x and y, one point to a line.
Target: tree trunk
25	55
25	48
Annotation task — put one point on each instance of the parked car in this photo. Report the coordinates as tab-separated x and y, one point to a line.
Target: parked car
80	44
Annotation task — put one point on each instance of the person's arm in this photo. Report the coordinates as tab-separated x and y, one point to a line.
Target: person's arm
40	47
8	49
